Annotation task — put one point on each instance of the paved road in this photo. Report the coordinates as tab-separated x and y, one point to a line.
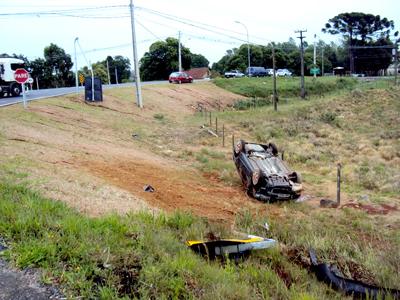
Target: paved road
47	93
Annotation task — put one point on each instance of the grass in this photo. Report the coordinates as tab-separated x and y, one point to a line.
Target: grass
286	87
135	256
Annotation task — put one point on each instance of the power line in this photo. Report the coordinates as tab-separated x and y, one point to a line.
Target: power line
182	20
148	30
66	11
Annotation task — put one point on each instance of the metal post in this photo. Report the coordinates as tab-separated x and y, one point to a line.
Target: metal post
216	125
24	95
76	68
108	72
139	101
116	75
339	166
210	119
248	46
233	141
179	52
274	70
223	135
322	62
315	55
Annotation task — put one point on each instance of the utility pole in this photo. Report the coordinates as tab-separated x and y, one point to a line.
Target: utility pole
322	61
315	56
274	70
116	75
179	52
396	62
139	101
76	68
108	72
301	37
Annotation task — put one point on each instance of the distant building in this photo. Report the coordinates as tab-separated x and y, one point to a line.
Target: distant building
199	73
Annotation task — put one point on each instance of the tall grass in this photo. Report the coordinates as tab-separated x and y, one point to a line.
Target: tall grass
136	256
286	87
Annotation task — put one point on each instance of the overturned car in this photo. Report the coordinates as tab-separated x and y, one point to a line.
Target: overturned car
264	175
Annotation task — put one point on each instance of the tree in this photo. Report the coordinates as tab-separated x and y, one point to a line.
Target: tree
359	26
119	64
162	59
199	61
366	37
57	66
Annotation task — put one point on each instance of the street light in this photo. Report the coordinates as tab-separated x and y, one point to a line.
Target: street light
248	45
76	68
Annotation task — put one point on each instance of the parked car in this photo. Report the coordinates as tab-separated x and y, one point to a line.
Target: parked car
234	74
358	75
264	174
270	72
283	72
256	72
180	77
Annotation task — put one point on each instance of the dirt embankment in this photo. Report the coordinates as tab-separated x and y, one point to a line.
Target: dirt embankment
85	154
80	154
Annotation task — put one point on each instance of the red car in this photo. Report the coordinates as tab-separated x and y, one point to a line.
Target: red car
180	77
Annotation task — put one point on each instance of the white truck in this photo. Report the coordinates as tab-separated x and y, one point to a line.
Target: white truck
8	85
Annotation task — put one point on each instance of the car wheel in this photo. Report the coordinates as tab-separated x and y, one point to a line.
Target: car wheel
170	81
15	89
299	179
274	148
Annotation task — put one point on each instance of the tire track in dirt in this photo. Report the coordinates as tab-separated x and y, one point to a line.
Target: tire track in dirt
175	188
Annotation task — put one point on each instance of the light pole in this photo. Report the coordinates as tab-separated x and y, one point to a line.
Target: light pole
248	46
139	100
76	68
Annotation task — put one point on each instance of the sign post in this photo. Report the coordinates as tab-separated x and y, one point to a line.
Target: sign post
21	76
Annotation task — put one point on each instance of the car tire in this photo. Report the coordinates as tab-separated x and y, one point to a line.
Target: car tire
274	148
15	89
299	179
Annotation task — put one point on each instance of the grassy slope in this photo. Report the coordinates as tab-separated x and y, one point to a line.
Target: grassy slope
286	87
359	128
139	255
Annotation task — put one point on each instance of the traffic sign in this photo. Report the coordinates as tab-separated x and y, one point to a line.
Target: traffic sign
30	80
81	78
21	76
314	71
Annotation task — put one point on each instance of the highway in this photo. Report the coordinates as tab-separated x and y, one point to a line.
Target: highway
48	93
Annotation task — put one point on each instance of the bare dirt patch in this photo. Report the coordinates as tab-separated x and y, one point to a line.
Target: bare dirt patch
181	189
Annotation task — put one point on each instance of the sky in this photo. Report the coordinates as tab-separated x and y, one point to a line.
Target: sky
103	27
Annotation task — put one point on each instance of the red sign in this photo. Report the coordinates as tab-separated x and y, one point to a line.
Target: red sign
21	75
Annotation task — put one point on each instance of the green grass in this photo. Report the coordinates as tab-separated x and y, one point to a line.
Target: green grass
286	87
137	256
